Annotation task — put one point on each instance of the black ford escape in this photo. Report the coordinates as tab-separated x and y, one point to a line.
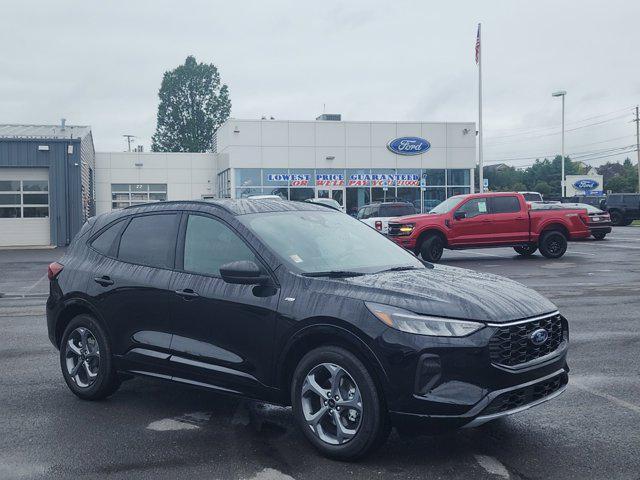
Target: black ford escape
293	303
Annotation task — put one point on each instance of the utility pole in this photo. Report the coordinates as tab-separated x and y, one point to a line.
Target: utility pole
129	138
637	120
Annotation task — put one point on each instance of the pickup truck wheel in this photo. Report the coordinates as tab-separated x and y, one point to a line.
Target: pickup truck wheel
553	244
627	222
617	219
432	248
599	235
526	250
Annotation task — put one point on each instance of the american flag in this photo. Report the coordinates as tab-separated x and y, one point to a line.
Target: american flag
478	45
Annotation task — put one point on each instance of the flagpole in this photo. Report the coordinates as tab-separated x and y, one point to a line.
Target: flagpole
480	160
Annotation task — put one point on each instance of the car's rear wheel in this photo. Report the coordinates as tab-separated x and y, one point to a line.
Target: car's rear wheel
627	222
85	358
617	219
337	405
526	250
553	244
432	248
599	235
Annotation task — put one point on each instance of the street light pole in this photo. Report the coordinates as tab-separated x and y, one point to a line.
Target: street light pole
563	188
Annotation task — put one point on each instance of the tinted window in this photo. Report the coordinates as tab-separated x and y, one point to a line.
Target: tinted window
532	197
505	205
474	207
209	244
104	242
150	240
396	210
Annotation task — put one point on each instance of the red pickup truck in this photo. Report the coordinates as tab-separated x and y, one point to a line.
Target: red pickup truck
489	220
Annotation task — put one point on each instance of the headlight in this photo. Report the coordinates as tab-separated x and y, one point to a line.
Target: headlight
410	322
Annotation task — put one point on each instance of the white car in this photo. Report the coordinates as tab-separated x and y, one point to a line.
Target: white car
377	215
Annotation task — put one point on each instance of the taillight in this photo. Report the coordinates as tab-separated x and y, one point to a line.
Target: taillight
378	225
54	270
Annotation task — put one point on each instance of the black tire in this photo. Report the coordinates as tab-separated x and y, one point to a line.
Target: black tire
553	244
373	428
599	235
627	222
526	250
106	382
432	248
617	219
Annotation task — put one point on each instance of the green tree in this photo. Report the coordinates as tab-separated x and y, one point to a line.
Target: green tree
542	187
193	104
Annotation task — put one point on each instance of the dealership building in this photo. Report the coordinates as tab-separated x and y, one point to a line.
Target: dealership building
51	180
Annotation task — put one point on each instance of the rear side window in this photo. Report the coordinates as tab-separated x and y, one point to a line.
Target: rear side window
150	240
105	242
504	204
396	210
209	244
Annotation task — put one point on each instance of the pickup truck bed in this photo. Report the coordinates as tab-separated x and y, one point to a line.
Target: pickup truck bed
489	220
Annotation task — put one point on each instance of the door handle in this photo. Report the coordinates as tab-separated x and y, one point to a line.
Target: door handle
187	293
105	281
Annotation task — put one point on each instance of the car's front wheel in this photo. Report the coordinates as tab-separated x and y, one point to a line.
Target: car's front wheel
432	248
526	250
553	244
337	405
617	219
85	358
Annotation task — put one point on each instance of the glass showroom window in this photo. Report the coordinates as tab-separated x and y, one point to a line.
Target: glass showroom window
247	192
431	197
24	198
248	177
434	177
224	189
127	194
458	177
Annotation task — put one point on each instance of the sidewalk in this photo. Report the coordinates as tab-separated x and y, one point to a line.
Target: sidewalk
24	272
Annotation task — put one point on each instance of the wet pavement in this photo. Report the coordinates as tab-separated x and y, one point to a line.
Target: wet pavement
151	429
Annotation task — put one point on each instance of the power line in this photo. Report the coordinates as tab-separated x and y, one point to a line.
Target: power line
521	131
524	137
571	155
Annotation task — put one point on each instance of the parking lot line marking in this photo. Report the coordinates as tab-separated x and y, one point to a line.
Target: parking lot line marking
271	474
574	252
492	466
607	396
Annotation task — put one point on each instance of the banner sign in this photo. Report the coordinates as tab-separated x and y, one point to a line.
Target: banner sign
384	180
294	179
330	179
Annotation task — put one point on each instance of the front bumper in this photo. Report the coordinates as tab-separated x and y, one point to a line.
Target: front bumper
457	382
404	241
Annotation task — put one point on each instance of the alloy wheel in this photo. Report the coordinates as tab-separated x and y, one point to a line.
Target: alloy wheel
331	403
82	357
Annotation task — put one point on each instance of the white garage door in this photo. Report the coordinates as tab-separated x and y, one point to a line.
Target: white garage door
24	207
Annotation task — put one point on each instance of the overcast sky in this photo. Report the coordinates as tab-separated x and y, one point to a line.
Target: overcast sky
101	63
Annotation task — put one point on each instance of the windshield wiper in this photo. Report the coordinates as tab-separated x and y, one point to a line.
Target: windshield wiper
334	274
398	269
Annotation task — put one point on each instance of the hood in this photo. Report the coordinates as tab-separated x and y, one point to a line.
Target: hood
451	292
421	217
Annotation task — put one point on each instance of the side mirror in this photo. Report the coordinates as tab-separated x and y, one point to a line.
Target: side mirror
244	272
459	215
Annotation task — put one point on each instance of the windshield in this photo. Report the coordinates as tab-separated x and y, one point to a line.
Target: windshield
532	197
313	241
447	205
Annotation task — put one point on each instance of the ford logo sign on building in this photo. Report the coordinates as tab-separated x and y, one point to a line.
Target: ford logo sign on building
408	145
586	184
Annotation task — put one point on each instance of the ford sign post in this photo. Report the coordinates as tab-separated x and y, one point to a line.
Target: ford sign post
586	184
408	145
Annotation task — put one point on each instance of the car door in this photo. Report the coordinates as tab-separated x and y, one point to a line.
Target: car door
471	223
510	219
222	333
129	287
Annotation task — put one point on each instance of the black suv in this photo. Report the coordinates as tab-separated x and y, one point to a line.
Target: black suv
623	208
598	201
297	304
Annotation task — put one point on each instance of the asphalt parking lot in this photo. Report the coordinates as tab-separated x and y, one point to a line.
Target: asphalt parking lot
157	430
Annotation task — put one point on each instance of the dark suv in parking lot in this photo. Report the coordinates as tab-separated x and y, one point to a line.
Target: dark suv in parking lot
297	304
623	208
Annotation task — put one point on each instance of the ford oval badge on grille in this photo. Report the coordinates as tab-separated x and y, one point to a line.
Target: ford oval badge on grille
538	337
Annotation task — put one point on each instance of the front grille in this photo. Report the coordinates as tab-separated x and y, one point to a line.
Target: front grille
512	345
526	395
